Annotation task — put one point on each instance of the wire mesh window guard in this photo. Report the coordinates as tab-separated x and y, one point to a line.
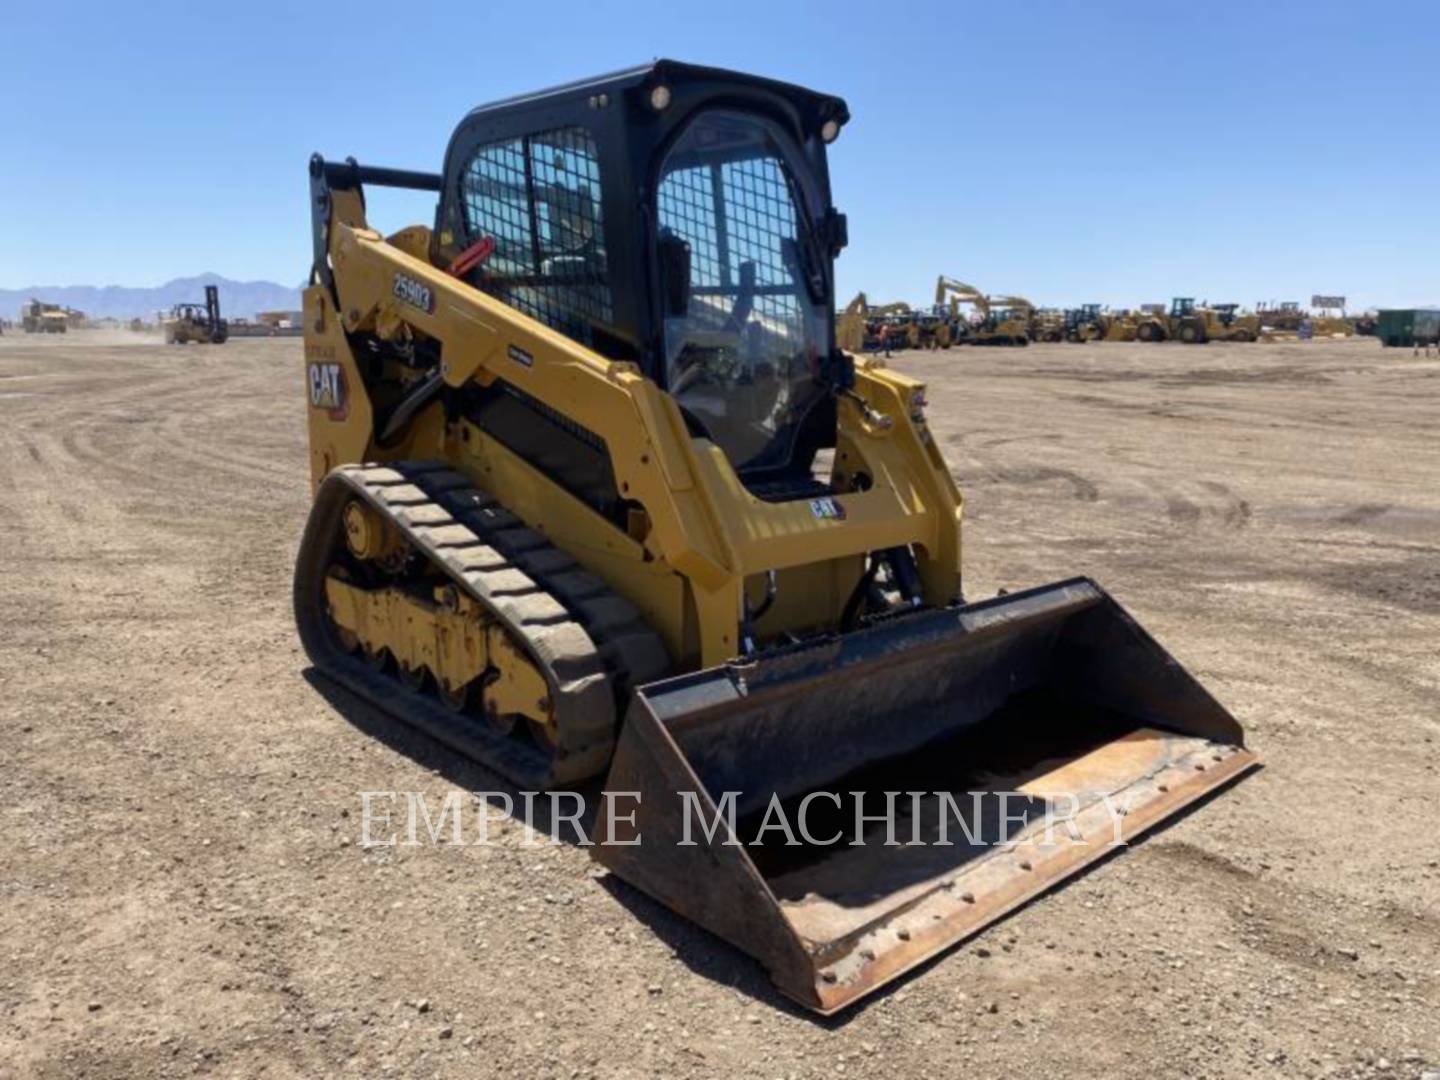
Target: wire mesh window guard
538	198
742	358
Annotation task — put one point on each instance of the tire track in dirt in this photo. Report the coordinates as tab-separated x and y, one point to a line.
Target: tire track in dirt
150	449
1080	488
1220	505
1360	515
1287	921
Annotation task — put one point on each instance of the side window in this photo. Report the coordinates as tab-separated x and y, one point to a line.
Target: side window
538	198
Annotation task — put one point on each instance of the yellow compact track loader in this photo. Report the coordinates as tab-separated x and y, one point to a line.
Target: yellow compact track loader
598	501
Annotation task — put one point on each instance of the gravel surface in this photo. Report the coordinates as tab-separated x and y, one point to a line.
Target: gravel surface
184	893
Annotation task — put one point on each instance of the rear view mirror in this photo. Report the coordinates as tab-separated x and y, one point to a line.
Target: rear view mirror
674	254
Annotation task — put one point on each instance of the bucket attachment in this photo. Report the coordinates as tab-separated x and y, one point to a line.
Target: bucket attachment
978	754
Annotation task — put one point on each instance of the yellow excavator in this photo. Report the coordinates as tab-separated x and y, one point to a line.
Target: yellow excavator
989	325
1008	321
1016	317
860	327
599	502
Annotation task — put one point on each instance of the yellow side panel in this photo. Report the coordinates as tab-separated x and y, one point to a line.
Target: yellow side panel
337	406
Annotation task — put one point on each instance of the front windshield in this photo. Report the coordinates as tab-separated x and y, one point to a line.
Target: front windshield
743	359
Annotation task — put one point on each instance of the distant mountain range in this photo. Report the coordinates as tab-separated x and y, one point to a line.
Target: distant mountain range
238	299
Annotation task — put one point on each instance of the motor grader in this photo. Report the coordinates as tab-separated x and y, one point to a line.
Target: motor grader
597	501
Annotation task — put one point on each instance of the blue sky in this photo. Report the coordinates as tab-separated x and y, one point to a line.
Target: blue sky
1109	151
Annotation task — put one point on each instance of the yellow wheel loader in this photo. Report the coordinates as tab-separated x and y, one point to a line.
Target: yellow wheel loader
1118	326
1195	325
597	501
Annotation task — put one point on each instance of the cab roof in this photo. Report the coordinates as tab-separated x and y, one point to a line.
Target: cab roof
670	73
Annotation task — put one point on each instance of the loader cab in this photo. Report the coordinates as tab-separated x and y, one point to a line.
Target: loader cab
678	217
1182	306
1225	313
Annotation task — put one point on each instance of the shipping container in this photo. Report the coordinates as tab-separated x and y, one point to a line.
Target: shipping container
1407	327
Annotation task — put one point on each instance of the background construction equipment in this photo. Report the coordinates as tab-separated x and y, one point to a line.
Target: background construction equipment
191	322
38	317
1195	325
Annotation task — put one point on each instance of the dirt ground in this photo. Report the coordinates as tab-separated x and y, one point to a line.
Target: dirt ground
183	891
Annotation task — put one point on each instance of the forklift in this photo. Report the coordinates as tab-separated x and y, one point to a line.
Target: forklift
191	322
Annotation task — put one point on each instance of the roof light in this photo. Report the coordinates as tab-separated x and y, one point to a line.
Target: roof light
660	97
830	130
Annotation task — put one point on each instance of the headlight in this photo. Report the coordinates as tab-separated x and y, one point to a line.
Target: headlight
830	130
660	98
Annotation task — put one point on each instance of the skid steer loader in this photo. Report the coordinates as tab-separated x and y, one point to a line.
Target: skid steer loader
595	496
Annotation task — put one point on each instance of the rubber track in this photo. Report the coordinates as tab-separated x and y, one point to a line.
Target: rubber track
591	645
